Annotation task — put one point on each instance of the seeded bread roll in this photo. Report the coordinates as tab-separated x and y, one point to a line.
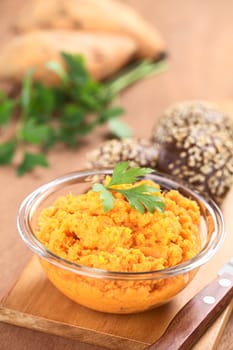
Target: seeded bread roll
138	152
196	146
192	142
190	113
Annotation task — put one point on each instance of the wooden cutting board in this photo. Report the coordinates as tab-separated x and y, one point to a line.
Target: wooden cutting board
35	303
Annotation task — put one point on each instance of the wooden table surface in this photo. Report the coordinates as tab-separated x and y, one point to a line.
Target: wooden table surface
199	37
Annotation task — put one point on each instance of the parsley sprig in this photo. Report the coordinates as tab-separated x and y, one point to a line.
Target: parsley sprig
140	197
43	116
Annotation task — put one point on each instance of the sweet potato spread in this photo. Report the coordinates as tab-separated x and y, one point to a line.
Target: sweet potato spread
77	229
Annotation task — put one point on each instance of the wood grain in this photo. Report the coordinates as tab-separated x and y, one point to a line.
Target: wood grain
33	303
199	37
196	316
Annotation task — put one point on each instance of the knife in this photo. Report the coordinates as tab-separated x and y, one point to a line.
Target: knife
198	314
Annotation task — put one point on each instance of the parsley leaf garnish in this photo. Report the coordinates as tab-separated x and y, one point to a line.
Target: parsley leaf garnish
140	197
105	196
122	174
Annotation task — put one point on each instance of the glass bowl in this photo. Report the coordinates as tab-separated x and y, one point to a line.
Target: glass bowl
108	291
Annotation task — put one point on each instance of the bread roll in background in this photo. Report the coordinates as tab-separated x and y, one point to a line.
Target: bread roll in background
104	54
110	16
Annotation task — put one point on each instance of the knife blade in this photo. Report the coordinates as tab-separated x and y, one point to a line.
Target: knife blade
198	314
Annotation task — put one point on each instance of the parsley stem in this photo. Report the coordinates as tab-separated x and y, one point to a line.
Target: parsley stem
134	73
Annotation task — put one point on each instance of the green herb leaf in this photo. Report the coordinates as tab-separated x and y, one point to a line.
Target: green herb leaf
6	109
73	116
140	197
122	174
76	69
7	151
58	69
43	103
119	128
35	133
91	95
30	161
105	196
109	113
68	136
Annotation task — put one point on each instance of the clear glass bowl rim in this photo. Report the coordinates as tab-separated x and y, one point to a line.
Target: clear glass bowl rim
25	212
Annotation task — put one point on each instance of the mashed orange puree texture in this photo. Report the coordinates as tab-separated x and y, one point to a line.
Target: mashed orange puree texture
77	229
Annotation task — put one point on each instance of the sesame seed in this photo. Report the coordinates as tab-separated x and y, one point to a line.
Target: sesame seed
206	169
171	166
183	154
